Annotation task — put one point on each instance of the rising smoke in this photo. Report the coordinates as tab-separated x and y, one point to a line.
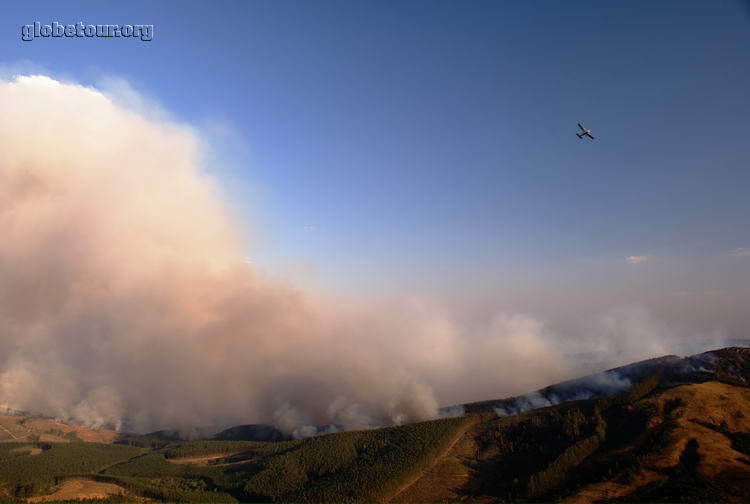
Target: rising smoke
126	299
600	384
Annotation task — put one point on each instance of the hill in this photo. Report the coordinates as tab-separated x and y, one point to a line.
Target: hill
251	432
23	427
664	430
728	365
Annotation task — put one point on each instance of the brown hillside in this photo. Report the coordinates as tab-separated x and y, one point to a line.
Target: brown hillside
26	428
706	403
80	488
449	474
680	414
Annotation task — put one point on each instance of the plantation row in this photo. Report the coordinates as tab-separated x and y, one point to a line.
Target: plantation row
199	448
367	466
539	453
169	489
554	475
344	467
23	474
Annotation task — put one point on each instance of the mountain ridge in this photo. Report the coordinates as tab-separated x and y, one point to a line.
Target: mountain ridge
662	430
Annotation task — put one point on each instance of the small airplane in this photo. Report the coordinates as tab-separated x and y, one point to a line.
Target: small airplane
585	132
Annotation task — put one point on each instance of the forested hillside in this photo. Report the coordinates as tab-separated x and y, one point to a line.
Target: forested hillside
673	435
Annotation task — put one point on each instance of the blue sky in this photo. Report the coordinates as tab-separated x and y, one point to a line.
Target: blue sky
429	146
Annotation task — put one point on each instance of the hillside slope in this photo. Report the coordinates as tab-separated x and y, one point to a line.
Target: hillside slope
680	431
24	428
687	443
703	455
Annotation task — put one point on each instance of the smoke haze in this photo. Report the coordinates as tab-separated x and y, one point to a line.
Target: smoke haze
126	299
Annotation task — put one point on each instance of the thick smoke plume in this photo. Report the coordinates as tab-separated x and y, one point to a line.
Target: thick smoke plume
126	299
125	296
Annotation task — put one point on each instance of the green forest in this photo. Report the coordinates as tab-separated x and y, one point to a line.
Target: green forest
342	467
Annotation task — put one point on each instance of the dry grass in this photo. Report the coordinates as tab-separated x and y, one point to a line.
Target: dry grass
80	488
49	431
203	459
29	450
10	430
613	490
710	402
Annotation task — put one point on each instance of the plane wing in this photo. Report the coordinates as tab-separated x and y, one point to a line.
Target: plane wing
589	135
582	128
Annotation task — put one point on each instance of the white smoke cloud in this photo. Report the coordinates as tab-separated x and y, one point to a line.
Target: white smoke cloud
597	385
126	297
102	407
637	259
607	383
452	411
630	331
533	400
